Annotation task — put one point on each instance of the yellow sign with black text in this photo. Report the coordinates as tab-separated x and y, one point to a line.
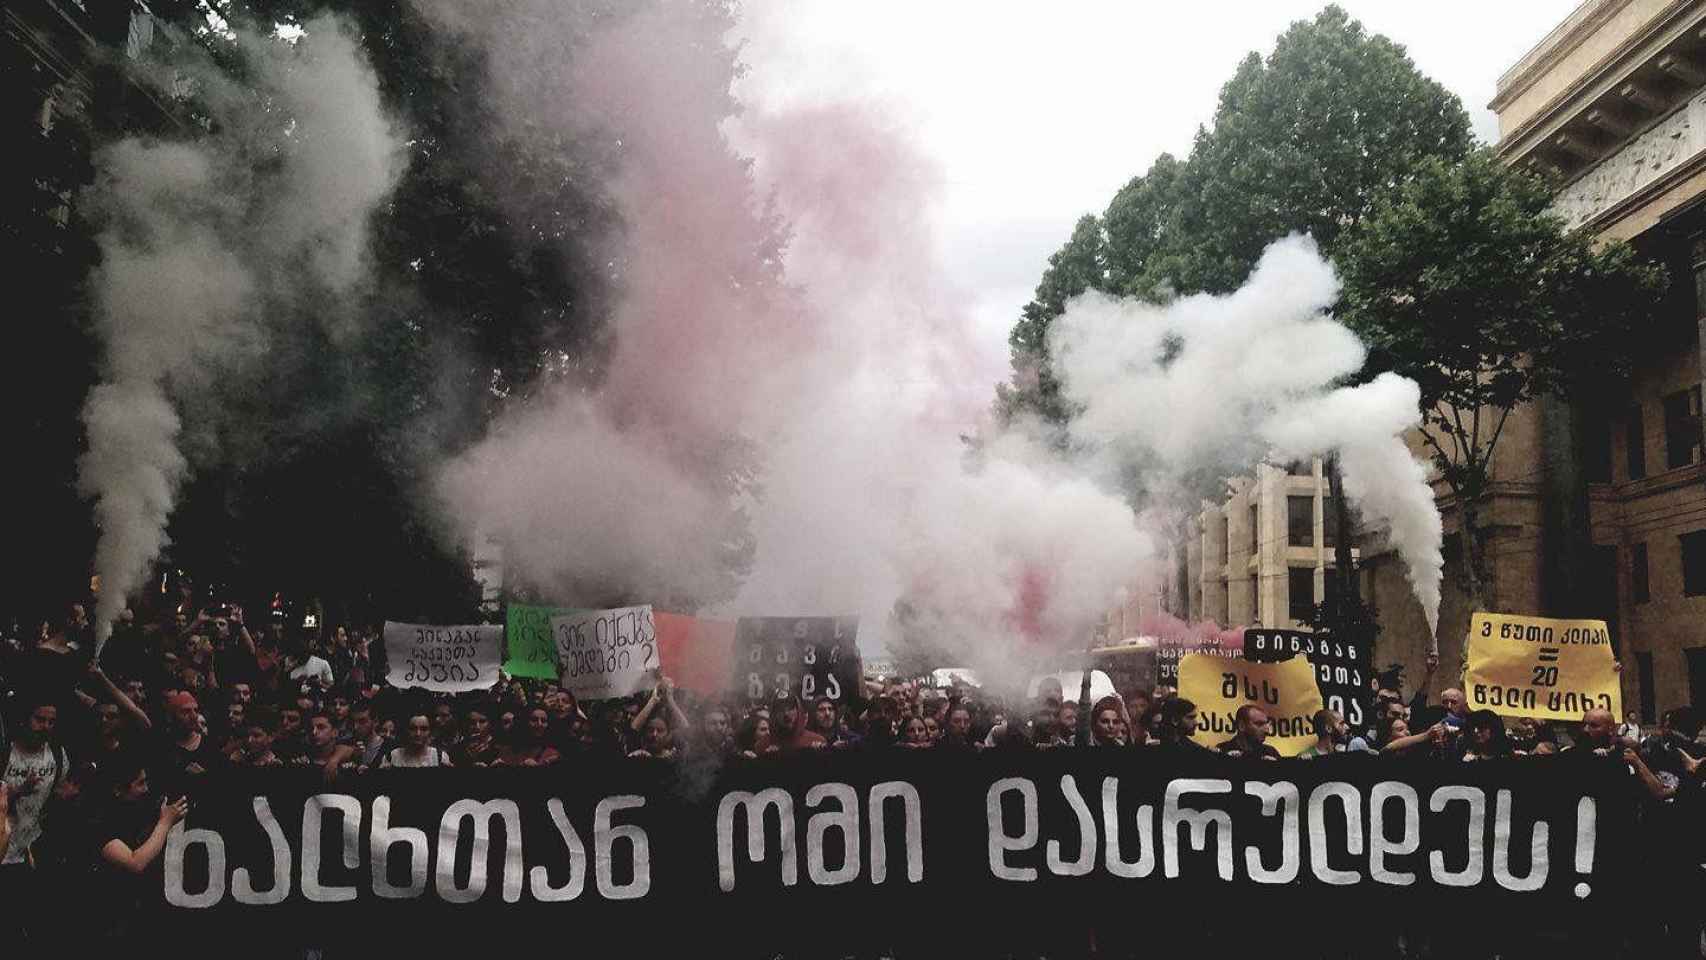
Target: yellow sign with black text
1285	691
1541	668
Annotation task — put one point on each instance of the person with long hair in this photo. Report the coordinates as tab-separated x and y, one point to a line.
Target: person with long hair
1487	737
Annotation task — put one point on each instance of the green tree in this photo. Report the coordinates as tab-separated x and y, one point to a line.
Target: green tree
1078	266
1464	281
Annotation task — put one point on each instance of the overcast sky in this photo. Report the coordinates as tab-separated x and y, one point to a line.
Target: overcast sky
1038	112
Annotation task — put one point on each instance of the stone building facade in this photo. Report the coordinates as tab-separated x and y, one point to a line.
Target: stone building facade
1596	507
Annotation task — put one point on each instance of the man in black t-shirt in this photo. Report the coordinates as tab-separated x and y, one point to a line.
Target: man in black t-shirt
1251	740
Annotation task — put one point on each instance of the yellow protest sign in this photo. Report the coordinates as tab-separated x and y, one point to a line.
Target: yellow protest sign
1536	667
1285	691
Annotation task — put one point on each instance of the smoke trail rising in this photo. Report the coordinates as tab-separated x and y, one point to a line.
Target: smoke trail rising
202	244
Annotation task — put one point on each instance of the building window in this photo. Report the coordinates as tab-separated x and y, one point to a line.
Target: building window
1640	588
1635	442
1300	521
1301	591
1329	524
1693	563
1597	468
1682	428
1255	532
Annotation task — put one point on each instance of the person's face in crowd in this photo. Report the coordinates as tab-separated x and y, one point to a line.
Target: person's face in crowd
234	715
442	719
420	732
289	722
789	721
242	693
717	726
762	728
506	721
1483	735
826	716
657	735
136	790
1545	748
135	690
479	725
182	620
361	721
42	721
1043	723
762	712
1632	720
387	729
257	741
1137	706
189	679
959	723
1069	715
110	719
321	733
1108	724
1400	729
631	711
1255	726
79	617
1598	726
916	732
1396	711
303	705
538	722
1525	729
1454	702
1338	730
185	715
932	728
340	638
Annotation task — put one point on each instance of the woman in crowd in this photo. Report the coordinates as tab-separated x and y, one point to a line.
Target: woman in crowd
753	741
1107	723
418	750
1487	738
479	748
915	735
528	746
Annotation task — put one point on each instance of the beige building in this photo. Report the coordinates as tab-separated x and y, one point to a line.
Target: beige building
1612	103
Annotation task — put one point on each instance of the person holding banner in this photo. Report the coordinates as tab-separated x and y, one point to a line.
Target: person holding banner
1600	744
1177	726
418	750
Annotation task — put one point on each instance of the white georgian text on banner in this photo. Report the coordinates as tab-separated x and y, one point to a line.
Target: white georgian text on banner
451	659
606	653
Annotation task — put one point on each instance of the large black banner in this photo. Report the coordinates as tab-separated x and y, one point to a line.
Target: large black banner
777	850
1342	668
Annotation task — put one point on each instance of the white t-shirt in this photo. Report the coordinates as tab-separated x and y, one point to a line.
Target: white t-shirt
316	669
400	757
48	767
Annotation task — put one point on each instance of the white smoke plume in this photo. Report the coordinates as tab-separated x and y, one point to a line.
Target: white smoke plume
1209	384
199	239
819	390
777	429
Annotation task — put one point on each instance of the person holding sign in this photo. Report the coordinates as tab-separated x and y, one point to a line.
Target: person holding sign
1251	740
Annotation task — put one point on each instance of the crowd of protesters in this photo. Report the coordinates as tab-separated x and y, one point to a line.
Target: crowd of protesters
100	752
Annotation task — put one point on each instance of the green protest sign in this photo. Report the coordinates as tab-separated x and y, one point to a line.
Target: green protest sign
532	653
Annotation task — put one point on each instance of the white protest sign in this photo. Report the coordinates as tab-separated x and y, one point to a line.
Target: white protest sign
606	653
453	659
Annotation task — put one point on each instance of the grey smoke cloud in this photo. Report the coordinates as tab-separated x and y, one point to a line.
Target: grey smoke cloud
199	239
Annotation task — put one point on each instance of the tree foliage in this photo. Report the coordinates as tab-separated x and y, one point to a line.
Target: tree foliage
1464	281
1303	141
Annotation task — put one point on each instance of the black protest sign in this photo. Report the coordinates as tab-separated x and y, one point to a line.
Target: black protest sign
1341	667
607	848
1169	651
803	657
